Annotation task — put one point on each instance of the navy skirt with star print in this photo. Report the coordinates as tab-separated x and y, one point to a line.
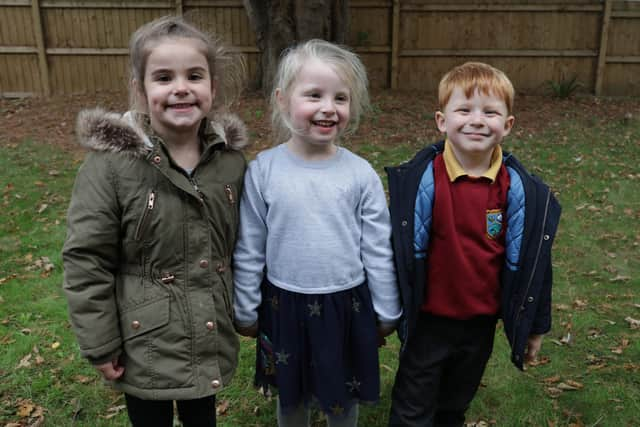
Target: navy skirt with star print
319	348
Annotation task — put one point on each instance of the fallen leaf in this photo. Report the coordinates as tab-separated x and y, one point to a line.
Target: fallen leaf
594	333
597	366
580	304
113	411
25	362
551	380
82	379
55	345
633	323
42	208
570	385
567	339
624	343
539	361
554	391
620	278
222	407
25	408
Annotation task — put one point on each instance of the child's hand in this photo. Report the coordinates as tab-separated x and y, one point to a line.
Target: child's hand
111	370
534	342
384	330
247	331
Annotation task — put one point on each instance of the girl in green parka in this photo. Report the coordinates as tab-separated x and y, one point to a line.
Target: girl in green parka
151	229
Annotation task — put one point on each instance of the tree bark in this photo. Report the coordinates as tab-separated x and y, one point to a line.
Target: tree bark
279	24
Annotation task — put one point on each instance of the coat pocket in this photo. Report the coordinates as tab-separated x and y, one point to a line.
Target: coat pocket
227	293
146	216
145	318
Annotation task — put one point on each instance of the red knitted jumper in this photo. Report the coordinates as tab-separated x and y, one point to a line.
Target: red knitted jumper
466	250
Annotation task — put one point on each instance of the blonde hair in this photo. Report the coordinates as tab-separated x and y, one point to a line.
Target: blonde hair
342	60
227	71
476	75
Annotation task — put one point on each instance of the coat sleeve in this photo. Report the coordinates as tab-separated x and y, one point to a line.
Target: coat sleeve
376	251
542	321
90	255
249	257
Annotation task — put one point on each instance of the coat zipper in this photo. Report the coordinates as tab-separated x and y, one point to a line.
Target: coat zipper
193	182
229	192
535	264
145	215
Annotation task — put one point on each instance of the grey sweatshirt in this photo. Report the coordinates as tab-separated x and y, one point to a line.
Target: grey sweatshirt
318	227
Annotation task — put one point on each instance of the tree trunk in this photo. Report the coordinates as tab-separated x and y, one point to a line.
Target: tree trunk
279	24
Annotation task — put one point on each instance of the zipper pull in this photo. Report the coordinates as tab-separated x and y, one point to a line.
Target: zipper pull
229	191
197	188
151	201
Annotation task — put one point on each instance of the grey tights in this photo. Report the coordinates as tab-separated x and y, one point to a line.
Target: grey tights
300	417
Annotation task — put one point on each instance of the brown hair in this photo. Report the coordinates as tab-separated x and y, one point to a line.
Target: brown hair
476	75
227	71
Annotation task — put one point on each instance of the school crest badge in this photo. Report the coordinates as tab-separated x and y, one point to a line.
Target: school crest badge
494	223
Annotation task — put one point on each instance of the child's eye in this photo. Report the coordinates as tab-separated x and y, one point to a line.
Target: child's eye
314	95
342	98
162	78
462	110
196	76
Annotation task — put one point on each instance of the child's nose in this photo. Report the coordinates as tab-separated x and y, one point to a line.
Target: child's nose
328	106
180	86
477	119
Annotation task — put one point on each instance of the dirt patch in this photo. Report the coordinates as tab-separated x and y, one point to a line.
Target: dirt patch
396	116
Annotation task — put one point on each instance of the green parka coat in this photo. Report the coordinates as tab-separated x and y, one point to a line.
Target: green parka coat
147	258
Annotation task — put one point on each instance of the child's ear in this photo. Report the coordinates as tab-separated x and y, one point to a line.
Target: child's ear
139	98
508	125
440	121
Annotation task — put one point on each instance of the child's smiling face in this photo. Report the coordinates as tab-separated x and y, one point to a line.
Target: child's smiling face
178	86
474	125
317	105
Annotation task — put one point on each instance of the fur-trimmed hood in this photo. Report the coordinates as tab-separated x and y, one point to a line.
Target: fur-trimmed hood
100	130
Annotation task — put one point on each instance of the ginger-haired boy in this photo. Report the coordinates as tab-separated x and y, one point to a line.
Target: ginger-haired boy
472	235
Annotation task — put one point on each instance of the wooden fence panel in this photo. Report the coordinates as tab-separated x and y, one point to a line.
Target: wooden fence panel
19	75
88	45
622	71
499	30
531	46
420	73
16	28
408	44
370	37
19	72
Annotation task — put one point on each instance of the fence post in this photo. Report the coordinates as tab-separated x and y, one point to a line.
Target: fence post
179	9
42	52
602	52
395	29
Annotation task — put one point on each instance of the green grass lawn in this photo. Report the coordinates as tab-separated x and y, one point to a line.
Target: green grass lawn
589	372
